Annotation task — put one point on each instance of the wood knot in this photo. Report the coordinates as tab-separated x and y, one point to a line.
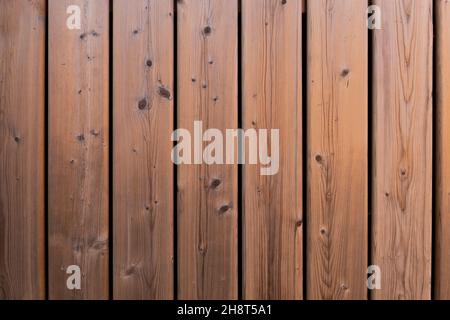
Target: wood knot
283	2
345	73
215	183
149	63
17	139
80	137
142	104
319	158
207	30
163	92
202	249
130	270
225	208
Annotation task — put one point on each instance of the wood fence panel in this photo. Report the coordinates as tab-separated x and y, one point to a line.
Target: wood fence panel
402	181
22	83
207	194
337	216
272	99
78	148
442	238
143	171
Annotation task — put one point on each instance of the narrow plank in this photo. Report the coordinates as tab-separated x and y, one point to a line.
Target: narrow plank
337	216
78	149
403	149
442	227
207	194
143	170
22	80
272	99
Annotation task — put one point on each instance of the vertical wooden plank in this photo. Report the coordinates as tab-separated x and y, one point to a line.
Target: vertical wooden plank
143	170
337	149
442	226
78	148
22	80
272	99
207	194
403	149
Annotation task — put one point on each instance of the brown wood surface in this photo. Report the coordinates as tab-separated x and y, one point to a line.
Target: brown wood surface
442	226
22	82
143	170
337	194
402	192
207	194
272	99
78	148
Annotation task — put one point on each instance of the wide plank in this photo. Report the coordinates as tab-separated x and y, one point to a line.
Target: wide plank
272	99
78	129
143	171
207	206
337	195
402	172
22	164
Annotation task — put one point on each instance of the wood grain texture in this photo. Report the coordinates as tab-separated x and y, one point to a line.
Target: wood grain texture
22	81
207	194
337	150
78	149
402	170
143	170
272	99
442	223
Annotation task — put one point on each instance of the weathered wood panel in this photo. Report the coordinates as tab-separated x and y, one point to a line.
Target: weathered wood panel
402	181
207	194
442	238
78	148
337	216
22	82
272	99
143	171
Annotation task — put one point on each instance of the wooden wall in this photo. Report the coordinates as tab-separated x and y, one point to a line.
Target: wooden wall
86	135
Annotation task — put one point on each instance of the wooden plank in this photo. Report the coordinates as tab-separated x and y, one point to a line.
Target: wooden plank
337	206
272	99
442	226
78	149
143	170
207	194
22	80
403	149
